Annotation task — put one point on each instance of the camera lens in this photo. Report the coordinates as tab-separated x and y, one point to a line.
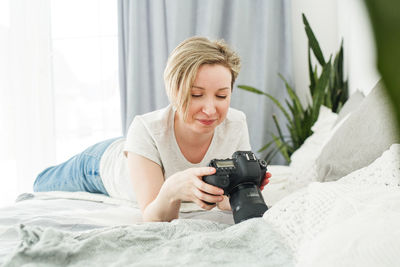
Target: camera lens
247	202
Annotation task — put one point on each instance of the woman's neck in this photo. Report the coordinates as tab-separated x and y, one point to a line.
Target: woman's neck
193	145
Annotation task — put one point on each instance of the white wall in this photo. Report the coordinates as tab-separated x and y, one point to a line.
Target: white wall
354	25
332	20
322	16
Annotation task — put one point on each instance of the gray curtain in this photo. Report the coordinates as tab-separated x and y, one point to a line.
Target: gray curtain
259	30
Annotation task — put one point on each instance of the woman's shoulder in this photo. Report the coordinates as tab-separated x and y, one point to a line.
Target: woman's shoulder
235	115
156	115
156	121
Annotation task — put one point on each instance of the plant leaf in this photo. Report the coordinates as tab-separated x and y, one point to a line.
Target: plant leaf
320	91
251	89
310	71
279	106
278	128
266	146
313	42
254	90
282	148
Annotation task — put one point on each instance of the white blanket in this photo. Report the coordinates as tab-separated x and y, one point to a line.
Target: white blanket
179	243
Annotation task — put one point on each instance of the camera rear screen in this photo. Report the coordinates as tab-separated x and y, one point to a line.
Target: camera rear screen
224	164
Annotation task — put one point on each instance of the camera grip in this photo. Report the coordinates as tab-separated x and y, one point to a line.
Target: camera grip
221	181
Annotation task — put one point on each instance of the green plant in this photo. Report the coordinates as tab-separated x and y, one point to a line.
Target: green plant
327	88
336	93
385	22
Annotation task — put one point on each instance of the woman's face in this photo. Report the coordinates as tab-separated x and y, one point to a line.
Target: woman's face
211	96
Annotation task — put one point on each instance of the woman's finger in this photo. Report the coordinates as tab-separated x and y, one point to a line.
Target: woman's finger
208	188
265	182
203	205
202	171
207	197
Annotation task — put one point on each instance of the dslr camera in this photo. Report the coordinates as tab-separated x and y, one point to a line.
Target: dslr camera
240	177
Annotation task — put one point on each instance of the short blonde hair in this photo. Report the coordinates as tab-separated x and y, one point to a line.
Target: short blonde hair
184	62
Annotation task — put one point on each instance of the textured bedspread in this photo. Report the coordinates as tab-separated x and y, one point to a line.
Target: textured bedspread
181	242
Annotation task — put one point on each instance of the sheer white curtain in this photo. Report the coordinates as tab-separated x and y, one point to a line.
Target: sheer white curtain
27	123
58	85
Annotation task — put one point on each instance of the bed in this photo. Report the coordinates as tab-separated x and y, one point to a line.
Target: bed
336	204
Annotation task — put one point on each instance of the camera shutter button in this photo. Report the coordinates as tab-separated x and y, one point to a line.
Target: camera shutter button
263	163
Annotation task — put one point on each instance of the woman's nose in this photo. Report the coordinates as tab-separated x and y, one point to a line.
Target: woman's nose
209	107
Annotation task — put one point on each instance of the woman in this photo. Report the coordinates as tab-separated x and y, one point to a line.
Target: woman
161	162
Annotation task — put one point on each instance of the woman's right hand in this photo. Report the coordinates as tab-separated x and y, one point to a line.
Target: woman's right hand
188	185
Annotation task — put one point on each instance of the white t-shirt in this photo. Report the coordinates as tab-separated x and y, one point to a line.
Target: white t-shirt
152	136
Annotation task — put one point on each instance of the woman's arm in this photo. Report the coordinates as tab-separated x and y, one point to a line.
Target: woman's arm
147	179
159	200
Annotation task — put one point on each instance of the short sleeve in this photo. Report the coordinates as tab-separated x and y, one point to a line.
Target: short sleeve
140	141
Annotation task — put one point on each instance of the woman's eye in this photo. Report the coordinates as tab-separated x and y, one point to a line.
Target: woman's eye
221	96
196	95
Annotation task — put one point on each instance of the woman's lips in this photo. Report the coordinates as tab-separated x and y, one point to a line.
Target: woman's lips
207	122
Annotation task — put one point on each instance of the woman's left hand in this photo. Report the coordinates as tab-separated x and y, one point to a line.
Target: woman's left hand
266	180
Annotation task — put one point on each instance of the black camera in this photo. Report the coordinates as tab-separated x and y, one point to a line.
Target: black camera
240	177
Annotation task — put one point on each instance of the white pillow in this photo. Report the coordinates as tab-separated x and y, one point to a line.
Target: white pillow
351	105
313	144
362	138
304	159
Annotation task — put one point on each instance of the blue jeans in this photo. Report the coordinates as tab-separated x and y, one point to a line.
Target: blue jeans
79	173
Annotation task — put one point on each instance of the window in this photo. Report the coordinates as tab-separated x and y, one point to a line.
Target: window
59	89
85	73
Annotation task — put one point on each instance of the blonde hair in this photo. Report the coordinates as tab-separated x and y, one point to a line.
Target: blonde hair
184	62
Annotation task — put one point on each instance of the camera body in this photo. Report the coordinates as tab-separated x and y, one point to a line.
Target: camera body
240	177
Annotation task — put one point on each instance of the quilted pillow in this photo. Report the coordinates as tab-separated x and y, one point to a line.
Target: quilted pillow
363	137
351	105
